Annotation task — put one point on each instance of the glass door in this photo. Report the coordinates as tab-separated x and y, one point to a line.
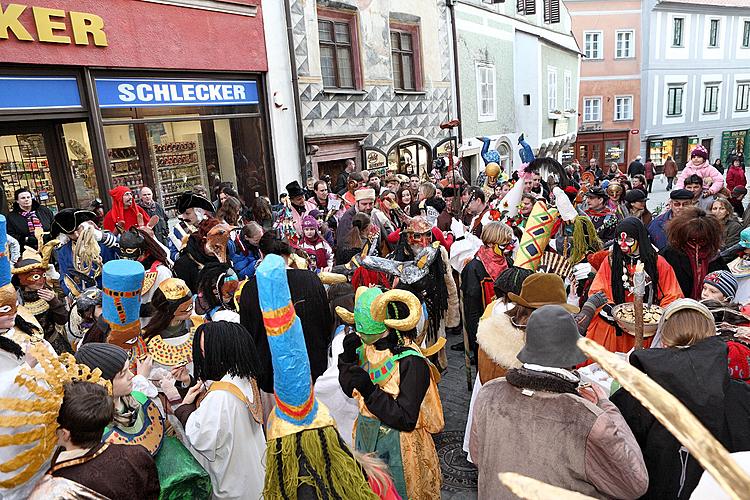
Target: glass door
24	163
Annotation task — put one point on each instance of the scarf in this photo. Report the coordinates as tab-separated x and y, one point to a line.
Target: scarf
699	262
493	263
32	220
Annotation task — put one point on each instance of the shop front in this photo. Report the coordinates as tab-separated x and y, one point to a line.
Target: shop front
675	147
131	104
410	157
735	143
605	147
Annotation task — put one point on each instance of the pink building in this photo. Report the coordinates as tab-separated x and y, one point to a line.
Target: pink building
608	33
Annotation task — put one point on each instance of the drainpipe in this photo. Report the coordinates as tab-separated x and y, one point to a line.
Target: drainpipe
295	88
451	8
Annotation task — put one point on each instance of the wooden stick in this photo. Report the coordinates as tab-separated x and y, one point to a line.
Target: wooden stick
467	349
639	290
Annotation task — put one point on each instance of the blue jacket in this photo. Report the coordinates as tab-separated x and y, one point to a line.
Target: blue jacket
243	264
64	256
657	232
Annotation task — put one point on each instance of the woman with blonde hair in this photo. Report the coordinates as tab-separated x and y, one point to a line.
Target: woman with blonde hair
479	275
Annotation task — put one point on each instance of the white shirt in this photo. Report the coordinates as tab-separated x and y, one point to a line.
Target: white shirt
228	443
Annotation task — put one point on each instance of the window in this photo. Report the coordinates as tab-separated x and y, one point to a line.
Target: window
403	59
743	97
713	34
624	108
624	47
711	98
551	11
678	23
552	89
568	91
486	92
592	44
336	55
592	109
674	100
746	35
526	7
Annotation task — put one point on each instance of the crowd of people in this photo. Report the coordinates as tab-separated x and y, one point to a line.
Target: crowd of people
295	350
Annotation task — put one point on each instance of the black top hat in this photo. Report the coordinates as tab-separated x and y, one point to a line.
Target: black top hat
189	199
551	336
294	189
67	220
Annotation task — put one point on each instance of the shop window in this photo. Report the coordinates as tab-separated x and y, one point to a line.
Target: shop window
80	162
625	44
677	26
486	103
711	98
743	96
624	108
592	109
552	89
568	91
339	54
614	152
713	33
674	100
405	57
409	157
746	35
526	7
551	11
592	44
24	164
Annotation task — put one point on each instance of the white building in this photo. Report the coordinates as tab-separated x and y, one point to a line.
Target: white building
695	78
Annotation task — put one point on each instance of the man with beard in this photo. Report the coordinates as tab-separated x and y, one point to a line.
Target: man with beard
437	290
193	208
364	202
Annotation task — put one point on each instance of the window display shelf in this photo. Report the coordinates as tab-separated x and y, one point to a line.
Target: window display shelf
174	179
120	160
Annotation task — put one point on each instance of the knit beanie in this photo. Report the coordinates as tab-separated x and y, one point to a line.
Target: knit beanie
109	358
309	222
724	281
699	150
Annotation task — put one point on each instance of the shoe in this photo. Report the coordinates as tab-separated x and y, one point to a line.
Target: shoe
458	346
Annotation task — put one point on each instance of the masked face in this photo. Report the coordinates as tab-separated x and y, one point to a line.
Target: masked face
417	241
216	241
33	280
184	310
131	253
628	244
8	307
371	339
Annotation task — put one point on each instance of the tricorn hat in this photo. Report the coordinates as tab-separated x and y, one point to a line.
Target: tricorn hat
189	199
67	220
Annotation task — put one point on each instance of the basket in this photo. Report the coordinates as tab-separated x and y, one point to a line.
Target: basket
649	329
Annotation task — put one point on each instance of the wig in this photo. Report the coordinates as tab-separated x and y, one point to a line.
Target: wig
694	225
87	256
229	349
634	228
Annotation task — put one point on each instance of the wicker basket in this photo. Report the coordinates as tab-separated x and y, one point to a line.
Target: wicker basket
649	329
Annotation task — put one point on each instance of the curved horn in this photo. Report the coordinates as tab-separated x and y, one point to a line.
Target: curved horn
47	251
346	316
379	309
332	278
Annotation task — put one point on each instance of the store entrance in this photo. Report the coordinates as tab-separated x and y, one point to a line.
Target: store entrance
51	159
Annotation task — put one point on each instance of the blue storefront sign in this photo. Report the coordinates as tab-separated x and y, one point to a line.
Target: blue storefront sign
21	92
135	93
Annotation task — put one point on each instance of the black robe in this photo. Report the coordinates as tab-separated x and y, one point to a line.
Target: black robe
190	262
311	306
683	270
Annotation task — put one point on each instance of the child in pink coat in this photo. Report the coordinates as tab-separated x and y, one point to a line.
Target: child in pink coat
698	165
321	255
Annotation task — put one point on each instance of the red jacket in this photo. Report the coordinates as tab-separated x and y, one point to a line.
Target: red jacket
735	177
119	213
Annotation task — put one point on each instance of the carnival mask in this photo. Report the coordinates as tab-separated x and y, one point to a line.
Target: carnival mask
8	306
628	244
217	239
34	279
492	171
132	245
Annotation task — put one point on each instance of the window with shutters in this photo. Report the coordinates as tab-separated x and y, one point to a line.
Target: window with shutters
526	7
552	90
711	98
551	11
592	44
674	100
568	91
405	57
743	96
486	98
339	51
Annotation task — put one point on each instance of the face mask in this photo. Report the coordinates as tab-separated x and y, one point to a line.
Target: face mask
628	244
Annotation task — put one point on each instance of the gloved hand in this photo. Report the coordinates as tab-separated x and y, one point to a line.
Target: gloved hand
583	318
352	342
606	313
581	271
360	380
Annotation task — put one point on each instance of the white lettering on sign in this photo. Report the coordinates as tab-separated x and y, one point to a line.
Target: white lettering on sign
181	92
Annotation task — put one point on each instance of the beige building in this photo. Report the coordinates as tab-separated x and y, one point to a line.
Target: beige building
609	35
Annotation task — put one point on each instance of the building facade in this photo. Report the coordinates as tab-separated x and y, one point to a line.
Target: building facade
90	99
518	74
696	72
374	82
609	34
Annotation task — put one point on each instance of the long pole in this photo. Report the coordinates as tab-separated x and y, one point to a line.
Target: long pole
639	290
467	349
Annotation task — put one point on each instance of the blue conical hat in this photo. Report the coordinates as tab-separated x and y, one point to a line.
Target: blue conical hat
122	281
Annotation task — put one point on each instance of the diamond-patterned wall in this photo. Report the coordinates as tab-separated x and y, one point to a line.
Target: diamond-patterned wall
385	115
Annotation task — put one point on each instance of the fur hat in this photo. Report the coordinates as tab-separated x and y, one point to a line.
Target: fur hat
541	289
699	150
189	199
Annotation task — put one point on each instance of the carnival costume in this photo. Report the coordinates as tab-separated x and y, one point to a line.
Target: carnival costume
395	387
305	452
82	315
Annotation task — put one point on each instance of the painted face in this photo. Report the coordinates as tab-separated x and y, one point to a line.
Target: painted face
628	244
33	280
184	310
122	383
710	292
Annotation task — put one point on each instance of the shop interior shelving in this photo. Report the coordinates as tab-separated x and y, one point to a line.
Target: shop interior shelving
28	170
178	166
